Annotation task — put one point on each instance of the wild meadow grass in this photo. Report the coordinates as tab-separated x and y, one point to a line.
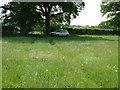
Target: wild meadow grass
0	62
78	61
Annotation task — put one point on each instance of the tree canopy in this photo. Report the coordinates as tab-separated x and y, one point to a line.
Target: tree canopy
25	15
22	16
112	10
104	25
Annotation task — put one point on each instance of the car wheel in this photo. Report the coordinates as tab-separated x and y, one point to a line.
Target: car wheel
67	35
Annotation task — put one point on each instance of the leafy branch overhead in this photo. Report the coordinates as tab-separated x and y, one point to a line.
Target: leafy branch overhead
112	10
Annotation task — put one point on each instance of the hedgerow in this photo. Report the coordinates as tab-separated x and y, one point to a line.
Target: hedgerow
92	31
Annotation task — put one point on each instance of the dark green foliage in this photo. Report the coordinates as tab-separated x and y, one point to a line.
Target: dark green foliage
8	30
27	15
92	31
22	15
112	10
54	26
104	25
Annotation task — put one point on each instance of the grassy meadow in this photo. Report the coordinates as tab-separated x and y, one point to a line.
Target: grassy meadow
0	63
77	61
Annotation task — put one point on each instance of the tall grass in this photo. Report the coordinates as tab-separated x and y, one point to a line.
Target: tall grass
0	63
85	61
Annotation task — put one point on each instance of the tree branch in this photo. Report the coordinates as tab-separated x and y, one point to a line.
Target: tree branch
54	15
42	10
49	8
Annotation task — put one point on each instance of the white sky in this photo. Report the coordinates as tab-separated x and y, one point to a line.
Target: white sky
4	1
90	15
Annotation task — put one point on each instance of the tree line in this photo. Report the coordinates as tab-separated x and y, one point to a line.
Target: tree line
26	15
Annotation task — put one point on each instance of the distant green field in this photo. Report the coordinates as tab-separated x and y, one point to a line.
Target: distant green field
78	61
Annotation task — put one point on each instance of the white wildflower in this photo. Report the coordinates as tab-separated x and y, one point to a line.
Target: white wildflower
113	66
46	70
116	70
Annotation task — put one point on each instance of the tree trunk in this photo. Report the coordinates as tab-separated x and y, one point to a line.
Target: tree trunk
22	21
23	28
47	24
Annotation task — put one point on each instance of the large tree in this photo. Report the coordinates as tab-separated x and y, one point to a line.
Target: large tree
63	11
112	10
28	14
22	15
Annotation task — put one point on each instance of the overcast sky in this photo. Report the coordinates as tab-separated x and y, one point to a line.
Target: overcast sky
89	16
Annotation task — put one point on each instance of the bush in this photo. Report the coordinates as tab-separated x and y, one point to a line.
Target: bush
54	27
8	30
